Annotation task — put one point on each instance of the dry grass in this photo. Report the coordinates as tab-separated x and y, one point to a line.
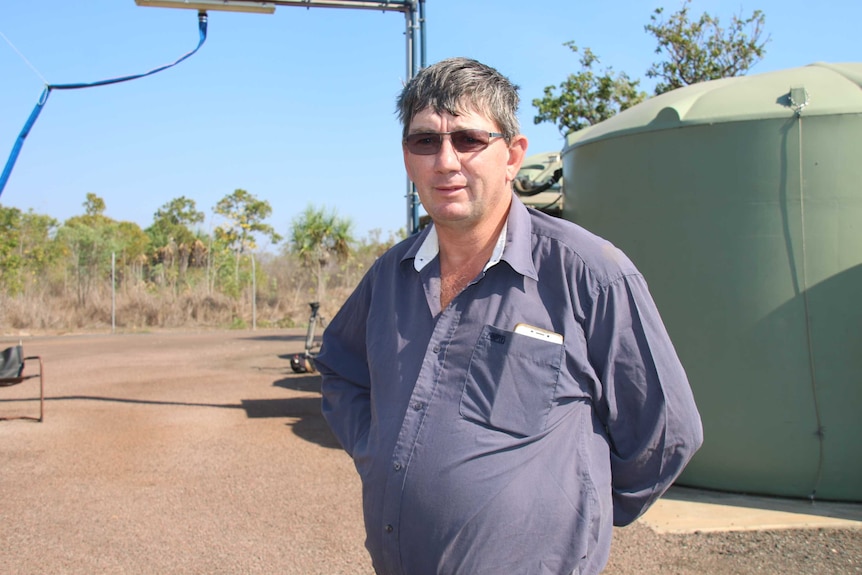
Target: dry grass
59	300
142	307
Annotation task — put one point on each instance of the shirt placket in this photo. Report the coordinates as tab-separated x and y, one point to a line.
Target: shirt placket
402	454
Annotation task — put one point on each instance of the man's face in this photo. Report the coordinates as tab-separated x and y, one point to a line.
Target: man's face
464	189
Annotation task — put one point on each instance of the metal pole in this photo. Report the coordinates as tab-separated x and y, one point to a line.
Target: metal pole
411	190
422	58
253	295
415	37
420	29
113	292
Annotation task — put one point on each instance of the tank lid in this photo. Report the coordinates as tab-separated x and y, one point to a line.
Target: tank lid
814	90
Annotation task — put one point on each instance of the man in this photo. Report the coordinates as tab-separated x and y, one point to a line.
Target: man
502	380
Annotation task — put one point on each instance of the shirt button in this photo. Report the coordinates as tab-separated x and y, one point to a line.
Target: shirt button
397	467
436	349
417	406
389	528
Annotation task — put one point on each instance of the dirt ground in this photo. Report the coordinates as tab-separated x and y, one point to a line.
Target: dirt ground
193	453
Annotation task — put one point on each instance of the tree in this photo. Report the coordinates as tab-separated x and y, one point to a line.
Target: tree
37	245
90	240
587	97
702	50
172	238
27	247
132	245
316	235
10	240
694	51
245	215
174	220
94	205
89	248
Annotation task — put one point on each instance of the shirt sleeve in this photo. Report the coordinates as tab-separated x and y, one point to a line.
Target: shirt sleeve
342	363
645	400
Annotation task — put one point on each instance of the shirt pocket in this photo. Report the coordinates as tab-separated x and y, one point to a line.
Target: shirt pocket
511	381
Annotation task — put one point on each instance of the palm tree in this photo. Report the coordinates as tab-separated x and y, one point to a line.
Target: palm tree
316	236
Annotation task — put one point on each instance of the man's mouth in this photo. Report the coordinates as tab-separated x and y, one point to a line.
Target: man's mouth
449	189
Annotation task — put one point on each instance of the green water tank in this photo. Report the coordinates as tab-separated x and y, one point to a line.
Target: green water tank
741	202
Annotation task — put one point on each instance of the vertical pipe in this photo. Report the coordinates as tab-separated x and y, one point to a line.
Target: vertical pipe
416	61
113	292
422	58
409	36
253	295
420	55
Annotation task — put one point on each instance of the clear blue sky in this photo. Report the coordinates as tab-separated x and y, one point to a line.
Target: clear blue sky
298	107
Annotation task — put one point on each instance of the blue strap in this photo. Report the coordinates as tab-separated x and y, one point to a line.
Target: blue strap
34	115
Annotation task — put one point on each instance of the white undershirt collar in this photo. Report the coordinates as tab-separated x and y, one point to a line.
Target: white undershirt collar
431	247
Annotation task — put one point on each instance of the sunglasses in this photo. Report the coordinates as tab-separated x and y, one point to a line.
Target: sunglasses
464	141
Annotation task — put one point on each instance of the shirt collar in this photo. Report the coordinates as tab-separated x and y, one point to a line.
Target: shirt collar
514	245
519	242
428	249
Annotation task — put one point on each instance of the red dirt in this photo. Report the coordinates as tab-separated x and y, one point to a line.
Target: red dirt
203	452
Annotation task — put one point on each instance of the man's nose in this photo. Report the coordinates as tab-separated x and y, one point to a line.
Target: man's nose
447	157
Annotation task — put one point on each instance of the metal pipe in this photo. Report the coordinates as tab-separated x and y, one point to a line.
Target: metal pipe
422	59
385	6
414	197
415	62
253	295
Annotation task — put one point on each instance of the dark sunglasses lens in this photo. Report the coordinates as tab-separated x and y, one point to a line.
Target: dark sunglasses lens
424	144
470	140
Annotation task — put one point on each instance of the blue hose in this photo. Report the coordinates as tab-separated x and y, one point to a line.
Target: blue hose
34	115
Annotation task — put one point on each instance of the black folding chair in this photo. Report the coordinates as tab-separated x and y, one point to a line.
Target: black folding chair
12	363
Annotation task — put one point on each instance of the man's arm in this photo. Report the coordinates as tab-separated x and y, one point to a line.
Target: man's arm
342	362
645	402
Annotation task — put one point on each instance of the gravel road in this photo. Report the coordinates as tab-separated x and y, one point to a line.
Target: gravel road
202	453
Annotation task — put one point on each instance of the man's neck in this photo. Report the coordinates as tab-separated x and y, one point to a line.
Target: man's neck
463	254
459	248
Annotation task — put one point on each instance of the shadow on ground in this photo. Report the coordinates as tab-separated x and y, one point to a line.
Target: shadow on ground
300	382
309	424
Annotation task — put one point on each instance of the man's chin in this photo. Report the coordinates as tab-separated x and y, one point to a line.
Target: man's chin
451	215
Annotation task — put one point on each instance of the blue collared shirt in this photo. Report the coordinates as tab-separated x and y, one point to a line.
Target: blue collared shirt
484	451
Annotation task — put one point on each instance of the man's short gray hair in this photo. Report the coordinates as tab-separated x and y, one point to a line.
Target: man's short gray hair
460	85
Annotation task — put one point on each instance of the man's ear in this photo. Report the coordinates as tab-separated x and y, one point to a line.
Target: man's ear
517	153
